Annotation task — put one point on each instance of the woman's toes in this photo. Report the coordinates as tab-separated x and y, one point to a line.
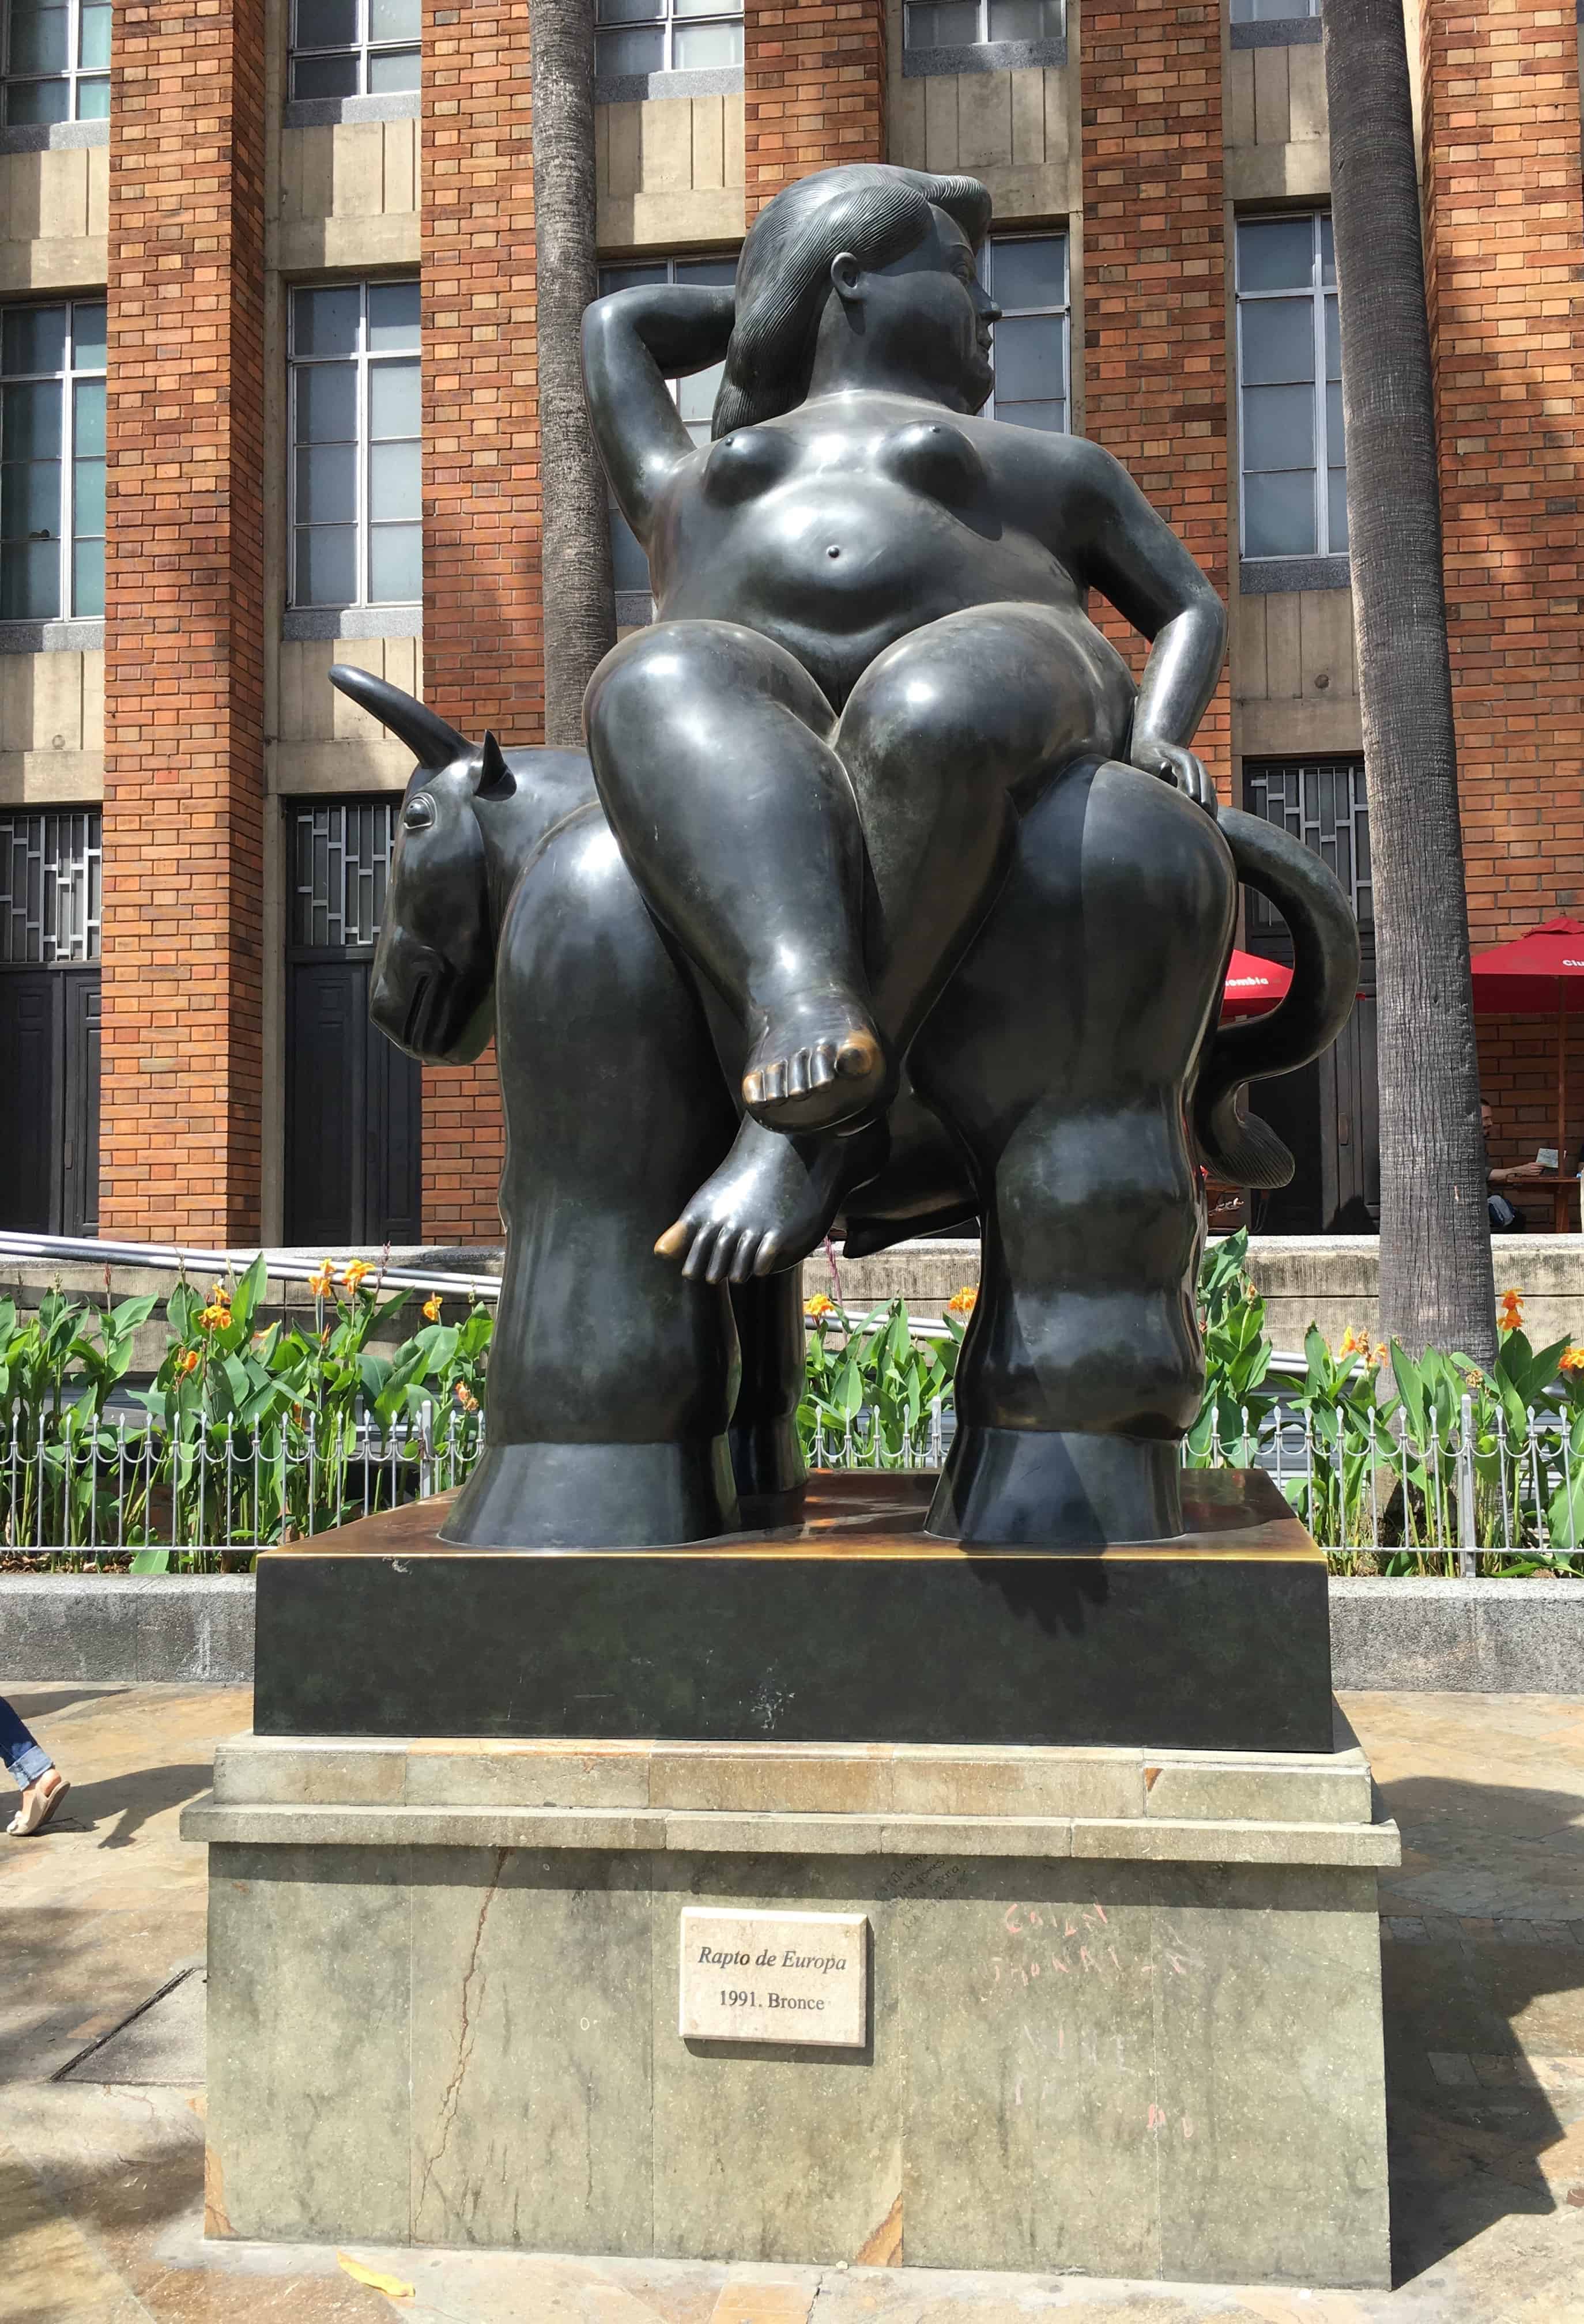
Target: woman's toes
859	1056
694	1267
766	1256
822	1064
797	1074
675	1240
744	1256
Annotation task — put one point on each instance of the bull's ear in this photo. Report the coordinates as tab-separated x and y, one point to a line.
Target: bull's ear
433	743
494	779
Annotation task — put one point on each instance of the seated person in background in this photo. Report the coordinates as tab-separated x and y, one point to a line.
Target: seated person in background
1505	1217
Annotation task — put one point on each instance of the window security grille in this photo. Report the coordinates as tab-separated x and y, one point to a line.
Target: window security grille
341	862
1027	276
52	462
1321	802
49	888
1294	456
356	529
57	61
969	23
652	36
694	396
355	48
1272	12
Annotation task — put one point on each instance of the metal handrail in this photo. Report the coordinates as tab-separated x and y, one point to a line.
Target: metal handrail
182	1259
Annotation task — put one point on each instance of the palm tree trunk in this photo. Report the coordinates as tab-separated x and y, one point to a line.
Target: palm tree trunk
579	605
1436	1287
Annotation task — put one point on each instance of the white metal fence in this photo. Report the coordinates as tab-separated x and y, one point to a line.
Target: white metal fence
111	1487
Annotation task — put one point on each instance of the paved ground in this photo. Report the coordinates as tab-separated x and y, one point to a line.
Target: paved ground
101	2159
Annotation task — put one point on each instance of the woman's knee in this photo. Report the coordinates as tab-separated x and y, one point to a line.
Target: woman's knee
997	684
668	677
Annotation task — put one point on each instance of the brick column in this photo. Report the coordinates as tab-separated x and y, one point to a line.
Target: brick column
813	90
1504	240
483	630
1154	281
184	784
1503	217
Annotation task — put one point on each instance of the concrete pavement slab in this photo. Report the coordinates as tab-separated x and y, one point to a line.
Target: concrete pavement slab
101	2179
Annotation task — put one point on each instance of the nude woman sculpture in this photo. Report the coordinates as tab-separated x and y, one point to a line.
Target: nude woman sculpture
870	657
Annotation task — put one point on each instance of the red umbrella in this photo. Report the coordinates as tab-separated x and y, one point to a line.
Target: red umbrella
1530	977
1253	986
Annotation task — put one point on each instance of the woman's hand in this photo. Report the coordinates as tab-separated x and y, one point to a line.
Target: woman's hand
1174	764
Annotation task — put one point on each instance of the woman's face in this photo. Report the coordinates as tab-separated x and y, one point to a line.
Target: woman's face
930	308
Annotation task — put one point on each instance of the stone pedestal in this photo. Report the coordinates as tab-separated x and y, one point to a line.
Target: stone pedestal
1123	2015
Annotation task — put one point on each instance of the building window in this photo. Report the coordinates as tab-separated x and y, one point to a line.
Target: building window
1295	471
1321	802
57	61
50	867
353	48
970	23
1027	276
52	462
1273	12
694	397
356	528
342	863
652	36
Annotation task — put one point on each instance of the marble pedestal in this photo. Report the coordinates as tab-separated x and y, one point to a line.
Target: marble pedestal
1124	2016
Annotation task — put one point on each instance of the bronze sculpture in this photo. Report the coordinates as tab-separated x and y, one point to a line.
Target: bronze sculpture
881	912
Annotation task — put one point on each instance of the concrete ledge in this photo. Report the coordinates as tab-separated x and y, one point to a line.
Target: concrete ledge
1418	1637
150	1627
1459	1638
650	1831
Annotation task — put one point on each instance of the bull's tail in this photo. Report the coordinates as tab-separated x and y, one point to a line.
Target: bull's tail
1236	1145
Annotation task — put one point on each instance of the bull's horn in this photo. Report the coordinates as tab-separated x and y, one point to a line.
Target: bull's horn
432	742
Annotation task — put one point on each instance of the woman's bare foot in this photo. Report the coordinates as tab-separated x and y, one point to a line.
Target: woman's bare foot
40	1801
819	1062
770	1203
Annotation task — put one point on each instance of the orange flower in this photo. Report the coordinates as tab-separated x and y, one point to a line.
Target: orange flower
1354	1343
962	1303
431	1308
215	1318
468	1401
1383	1356
356	1268
188	1361
1571	1359
1509	1312
219	1296
323	1282
819	1305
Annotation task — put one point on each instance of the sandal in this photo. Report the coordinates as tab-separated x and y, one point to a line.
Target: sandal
37	1809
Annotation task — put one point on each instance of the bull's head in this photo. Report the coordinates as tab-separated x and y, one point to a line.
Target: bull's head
433	983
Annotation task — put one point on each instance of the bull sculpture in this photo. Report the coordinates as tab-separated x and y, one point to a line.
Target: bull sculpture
1064	1106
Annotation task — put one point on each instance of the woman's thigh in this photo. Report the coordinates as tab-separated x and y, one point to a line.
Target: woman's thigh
1000	695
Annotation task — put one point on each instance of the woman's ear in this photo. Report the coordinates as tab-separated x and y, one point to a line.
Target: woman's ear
845	274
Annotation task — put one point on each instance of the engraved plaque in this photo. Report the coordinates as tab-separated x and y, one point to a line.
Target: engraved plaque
775	1977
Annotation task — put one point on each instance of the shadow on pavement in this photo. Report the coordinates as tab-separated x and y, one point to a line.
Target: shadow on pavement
1485	2017
130	1799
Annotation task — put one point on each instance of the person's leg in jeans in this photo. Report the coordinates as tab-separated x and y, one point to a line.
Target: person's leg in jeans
34	1773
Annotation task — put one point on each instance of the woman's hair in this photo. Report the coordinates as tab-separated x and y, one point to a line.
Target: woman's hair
783	274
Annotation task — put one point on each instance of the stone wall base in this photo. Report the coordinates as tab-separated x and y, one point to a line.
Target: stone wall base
1124	2011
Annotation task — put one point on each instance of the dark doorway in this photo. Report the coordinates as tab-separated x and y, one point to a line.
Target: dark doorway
354	1101
49	1001
1329	1114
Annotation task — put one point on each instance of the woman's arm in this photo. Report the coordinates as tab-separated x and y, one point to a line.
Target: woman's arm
1115	541
633	342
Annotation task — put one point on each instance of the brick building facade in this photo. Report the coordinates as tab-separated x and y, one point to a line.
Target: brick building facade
282	255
